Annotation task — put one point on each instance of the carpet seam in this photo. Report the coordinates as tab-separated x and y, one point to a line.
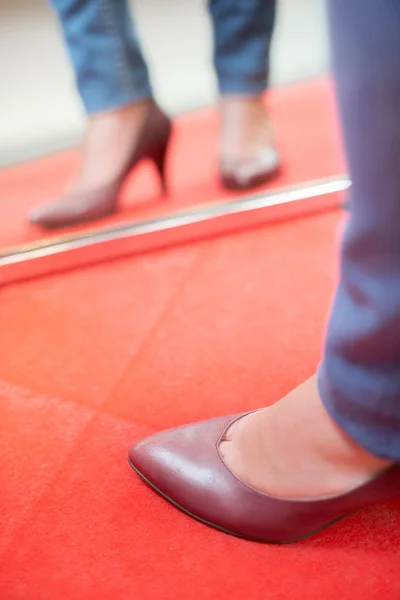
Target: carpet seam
98	410
200	258
80	439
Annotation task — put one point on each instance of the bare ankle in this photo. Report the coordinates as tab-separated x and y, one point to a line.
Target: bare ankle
246	128
293	449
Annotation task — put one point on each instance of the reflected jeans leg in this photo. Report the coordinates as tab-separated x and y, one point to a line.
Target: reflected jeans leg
242	39
105	52
359	379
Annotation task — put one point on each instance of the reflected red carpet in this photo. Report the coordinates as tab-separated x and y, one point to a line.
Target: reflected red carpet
306	129
95	359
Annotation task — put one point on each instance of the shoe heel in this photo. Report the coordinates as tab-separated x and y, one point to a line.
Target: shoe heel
159	160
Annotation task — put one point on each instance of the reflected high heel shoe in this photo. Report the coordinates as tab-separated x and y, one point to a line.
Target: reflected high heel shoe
151	144
185	466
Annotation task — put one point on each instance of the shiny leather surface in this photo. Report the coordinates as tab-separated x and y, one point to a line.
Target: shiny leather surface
184	464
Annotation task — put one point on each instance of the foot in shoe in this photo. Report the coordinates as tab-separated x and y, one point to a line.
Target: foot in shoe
248	152
294	450
114	143
302	472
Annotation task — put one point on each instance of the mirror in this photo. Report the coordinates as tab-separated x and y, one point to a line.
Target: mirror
41	120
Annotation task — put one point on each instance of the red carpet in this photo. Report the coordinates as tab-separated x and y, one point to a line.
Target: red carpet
307	138
95	359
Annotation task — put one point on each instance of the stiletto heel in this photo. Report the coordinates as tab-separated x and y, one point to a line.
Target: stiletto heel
151	144
159	159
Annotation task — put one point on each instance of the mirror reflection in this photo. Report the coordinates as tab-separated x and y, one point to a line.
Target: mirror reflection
114	111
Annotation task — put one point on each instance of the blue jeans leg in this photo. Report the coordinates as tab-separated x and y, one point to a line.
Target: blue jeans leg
105	52
242	39
359	377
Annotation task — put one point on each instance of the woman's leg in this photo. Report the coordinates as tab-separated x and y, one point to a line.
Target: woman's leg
123	122
242	40
326	439
112	80
359	378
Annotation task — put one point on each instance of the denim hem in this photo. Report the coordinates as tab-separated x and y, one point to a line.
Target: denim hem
378	443
241	87
97	103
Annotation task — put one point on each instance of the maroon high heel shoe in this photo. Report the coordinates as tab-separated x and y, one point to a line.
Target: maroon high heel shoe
185	466
151	144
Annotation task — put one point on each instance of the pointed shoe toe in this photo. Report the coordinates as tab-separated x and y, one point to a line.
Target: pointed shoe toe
184	465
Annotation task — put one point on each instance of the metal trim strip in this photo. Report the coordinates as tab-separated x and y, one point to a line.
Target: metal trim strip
105	243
